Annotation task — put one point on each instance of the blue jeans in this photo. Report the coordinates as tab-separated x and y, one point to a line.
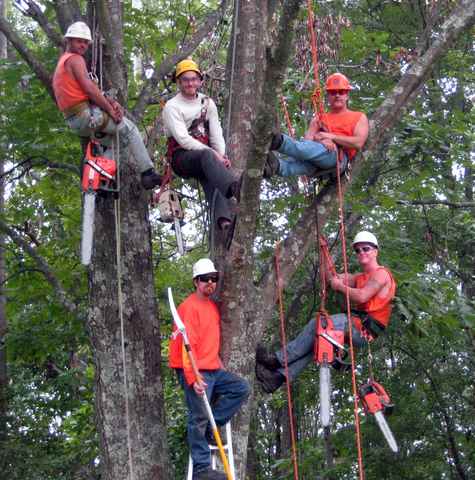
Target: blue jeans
84	124
305	157
226	392
300	349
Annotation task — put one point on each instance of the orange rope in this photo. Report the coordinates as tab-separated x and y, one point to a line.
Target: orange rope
290	128
350	320
286	361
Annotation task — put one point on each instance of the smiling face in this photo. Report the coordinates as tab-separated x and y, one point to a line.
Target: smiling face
189	83
366	253
337	100
205	285
78	45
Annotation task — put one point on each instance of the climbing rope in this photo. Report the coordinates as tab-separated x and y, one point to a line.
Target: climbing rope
118	242
290	128
350	320
286	361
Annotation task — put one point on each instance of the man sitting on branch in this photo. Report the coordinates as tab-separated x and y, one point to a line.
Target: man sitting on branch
371	292
88	111
318	150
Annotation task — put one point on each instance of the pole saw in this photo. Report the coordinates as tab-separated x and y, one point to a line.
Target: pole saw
181	328
99	175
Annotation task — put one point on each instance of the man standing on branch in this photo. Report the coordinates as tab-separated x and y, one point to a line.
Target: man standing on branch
226	390
318	150
87	111
196	147
371	292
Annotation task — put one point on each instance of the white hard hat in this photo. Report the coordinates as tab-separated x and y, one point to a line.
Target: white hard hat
203	266
79	30
365	237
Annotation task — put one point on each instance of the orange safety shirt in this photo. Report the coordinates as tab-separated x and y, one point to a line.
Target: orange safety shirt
202	322
343	124
377	307
66	88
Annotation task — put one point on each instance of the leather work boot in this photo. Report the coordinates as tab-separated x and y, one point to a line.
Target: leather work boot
271	166
276	141
209	474
269	380
269	360
150	179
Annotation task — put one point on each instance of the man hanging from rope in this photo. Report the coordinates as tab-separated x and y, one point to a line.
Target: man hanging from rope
371	292
87	111
226	390
339	128
196	146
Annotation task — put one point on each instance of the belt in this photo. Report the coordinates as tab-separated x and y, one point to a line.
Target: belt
75	109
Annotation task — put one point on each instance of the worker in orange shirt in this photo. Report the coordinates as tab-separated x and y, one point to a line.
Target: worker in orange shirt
318	150
202	320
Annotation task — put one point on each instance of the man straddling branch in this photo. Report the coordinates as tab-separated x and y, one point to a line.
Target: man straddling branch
196	146
87	110
339	128
226	390
371	292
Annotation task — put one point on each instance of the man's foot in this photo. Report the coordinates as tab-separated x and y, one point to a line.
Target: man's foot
269	380
209	474
150	179
276	141
272	165
269	360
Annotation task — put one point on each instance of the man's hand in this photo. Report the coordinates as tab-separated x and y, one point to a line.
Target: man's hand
116	112
337	284
200	387
329	145
222	159
313	128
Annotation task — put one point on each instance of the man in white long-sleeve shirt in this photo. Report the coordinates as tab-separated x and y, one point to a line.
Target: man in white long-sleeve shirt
196	146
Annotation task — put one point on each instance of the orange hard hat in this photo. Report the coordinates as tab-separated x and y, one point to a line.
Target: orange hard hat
337	81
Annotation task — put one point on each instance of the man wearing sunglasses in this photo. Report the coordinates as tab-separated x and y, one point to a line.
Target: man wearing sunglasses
225	390
371	292
318	150
196	147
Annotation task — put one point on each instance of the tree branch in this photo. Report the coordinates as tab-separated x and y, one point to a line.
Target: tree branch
167	65
67	13
27	55
42	266
437	202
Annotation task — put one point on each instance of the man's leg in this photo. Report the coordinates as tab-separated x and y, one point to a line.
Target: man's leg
306	157
196	428
340	322
232	391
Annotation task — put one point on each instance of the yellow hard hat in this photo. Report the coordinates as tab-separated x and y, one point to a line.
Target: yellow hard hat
187	65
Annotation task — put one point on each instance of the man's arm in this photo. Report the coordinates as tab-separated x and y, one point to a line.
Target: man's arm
377	281
76	66
357	140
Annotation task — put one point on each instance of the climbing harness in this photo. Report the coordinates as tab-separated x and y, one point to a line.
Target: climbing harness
186	343
286	361
228	448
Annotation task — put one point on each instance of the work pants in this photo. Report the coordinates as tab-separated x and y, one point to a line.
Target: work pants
213	176
230	392
305	158
86	122
300	351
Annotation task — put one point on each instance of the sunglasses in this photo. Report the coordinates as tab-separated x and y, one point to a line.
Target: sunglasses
337	92
214	277
365	249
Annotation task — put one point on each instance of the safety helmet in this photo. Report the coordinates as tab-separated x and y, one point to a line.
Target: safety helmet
203	266
337	81
79	30
365	237
187	65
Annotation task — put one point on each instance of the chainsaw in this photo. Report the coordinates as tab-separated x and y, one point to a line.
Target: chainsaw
99	176
328	350
375	400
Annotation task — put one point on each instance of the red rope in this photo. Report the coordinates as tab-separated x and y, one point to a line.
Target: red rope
350	320
290	128
286	361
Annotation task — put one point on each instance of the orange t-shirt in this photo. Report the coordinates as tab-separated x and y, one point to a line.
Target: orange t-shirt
66	88
377	307
202	322
343	124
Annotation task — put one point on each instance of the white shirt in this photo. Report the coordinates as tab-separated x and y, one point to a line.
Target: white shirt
178	114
